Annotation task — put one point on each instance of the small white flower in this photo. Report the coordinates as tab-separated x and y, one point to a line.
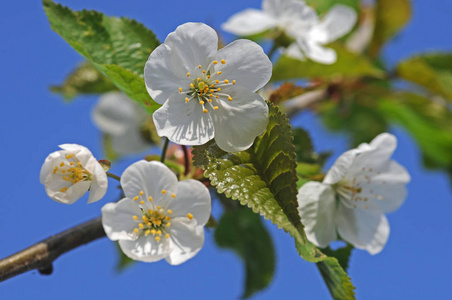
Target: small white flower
69	173
358	190
208	93
160	217
121	118
300	22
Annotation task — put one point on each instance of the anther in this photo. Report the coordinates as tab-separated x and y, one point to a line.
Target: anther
199	79
63	189
187	100
223	61
157	238
153	231
217	81
62	164
141	202
201	102
173	195
204	71
199	66
136	230
233	81
141	225
147	232
192	86
215	62
135	198
226	81
180	90
163	191
167	235
169	211
229	98
215	107
205	110
188	74
150	199
168	224
219	73
190	216
141	193
135	217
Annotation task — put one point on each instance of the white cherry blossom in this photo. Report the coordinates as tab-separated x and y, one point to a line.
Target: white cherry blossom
160	218
121	118
357	191
208	93
300	22
69	173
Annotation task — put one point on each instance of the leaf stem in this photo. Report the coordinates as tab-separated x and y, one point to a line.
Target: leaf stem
165	147
113	176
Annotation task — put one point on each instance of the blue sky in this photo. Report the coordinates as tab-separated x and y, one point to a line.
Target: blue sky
415	263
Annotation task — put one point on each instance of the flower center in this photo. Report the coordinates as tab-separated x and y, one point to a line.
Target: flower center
154	221
72	171
206	86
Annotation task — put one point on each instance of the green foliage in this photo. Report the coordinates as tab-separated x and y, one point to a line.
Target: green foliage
341	254
323	6
242	231
433	71
117	47
108	149
391	17
263	178
84	80
428	122
348	65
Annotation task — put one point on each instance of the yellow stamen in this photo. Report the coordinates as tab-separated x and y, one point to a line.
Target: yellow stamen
167	235
233	81
147	232
192	86
141	193
157	239
204	110
215	62
136	230
217	81
215	107
163	191
201	102
135	217
159	232
188	74
190	216
226	81
158	207
153	231
168	224
199	79
141	202
141	225
63	189
173	195
229	98
62	164
150	199
219	73
180	90
167	218
223	61
135	198
170	211
187	100
204	71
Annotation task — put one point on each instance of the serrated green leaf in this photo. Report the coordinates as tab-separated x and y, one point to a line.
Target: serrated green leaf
428	122
342	255
390	17
336	279
264	179
348	64
303	144
242	231
323	6
84	80
433	71
117	47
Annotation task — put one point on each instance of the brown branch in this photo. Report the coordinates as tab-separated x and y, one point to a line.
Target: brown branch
40	256
303	101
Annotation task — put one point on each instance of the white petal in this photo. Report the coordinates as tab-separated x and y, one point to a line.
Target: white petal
51	161
82	153
364	229
161	81
246	63
186	240
248	22
146	248
378	152
190	45
117	219
336	23
99	184
341	166
317	209
151	178
114	113
54	184
238	122
384	187
130	142
192	197
183	123
317	52
295	52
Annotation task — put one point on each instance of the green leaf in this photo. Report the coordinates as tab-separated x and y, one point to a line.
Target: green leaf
390	17
323	6
117	47
84	80
428	122
124	261
242	231
264	178
341	254
348	64
433	71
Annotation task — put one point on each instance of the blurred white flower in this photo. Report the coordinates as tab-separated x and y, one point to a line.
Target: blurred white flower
69	173
300	22
121	118
208	93
358	190
160	217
